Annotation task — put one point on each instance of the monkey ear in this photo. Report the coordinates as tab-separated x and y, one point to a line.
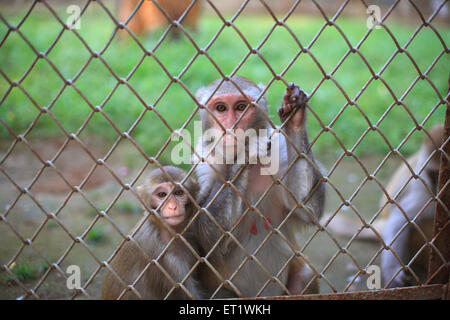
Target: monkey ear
141	192
200	95
195	188
263	100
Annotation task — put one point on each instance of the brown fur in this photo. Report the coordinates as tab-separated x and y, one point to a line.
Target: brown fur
152	237
416	197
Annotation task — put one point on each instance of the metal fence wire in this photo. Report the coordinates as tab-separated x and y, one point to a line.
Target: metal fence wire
436	285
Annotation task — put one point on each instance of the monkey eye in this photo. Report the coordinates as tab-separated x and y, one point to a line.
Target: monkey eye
221	107
161	194
179	192
241	107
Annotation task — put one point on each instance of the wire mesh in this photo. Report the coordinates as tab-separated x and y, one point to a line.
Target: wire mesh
81	236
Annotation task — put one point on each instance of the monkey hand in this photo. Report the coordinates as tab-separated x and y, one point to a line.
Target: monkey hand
294	100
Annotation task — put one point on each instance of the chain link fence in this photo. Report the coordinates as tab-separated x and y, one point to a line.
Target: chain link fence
34	218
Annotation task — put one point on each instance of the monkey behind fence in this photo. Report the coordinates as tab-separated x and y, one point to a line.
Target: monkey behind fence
289	204
152	238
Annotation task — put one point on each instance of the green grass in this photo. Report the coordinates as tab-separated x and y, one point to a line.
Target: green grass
96	235
25	271
99	86
128	207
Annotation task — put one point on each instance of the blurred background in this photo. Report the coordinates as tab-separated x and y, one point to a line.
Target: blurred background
52	79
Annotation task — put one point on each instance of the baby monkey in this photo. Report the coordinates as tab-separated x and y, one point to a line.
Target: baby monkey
152	237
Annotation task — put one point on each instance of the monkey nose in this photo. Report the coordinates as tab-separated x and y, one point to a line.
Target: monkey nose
172	206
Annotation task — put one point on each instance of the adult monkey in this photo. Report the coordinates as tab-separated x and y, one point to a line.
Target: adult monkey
295	194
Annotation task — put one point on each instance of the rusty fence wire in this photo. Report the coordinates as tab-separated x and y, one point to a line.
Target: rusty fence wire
436	285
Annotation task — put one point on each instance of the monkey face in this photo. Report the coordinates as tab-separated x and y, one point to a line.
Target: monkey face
174	209
228	108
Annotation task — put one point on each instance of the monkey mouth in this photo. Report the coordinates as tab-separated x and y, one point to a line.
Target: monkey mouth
174	220
174	216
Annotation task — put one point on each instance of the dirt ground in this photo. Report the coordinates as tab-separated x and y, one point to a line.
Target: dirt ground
51	243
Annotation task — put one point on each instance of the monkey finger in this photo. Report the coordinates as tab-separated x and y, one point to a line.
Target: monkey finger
282	114
303	97
285	111
294	97
287	108
288	93
286	98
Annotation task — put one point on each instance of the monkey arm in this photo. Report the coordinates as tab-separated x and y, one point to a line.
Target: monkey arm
301	173
216	203
303	178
